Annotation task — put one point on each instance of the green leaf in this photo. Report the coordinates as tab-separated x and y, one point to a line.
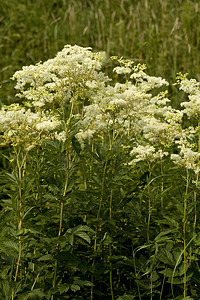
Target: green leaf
63	288
126	297
5	288
107	239
162	236
84	236
80	231
45	257
83	282
169	273
82	228
95	156
36	294
33	295
187	298
75	287
11	245
76	145
23	231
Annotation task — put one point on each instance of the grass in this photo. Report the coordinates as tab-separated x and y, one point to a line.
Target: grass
162	34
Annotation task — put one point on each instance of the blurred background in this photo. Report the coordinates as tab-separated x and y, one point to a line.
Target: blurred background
163	34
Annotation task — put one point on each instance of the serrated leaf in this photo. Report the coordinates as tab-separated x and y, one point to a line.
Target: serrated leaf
162	236
36	294
75	287
45	257
33	295
169	273
83	282
175	280
71	239
81	228
11	245
63	288
84	236
23	231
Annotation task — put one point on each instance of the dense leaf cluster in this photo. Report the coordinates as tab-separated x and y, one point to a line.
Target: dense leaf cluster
101	245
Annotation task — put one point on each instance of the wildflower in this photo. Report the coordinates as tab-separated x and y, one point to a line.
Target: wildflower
19	125
192	88
146	153
60	136
122	70
74	72
187	158
146	82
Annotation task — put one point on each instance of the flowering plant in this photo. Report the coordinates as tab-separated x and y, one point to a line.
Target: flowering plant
100	190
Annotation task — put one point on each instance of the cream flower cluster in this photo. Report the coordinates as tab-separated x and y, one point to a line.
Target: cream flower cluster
187	158
21	126
146	82
128	109
146	153
189	137
74	72
192	88
133	111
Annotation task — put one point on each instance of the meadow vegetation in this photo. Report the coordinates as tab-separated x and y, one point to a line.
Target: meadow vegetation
100	155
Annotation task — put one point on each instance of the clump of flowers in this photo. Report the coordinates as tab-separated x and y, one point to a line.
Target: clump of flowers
146	153
22	126
192	88
189	138
73	84
129	109
72	74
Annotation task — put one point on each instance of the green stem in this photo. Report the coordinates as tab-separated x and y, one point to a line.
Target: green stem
138	288
69	119
184	234
61	220
98	217
195	203
18	261
149	206
102	191
163	282
197	179
20	207
111	279
129	127
148	228
110	252
67	175
39	190
54	276
162	189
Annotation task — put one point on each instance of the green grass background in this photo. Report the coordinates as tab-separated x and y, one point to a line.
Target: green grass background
163	34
